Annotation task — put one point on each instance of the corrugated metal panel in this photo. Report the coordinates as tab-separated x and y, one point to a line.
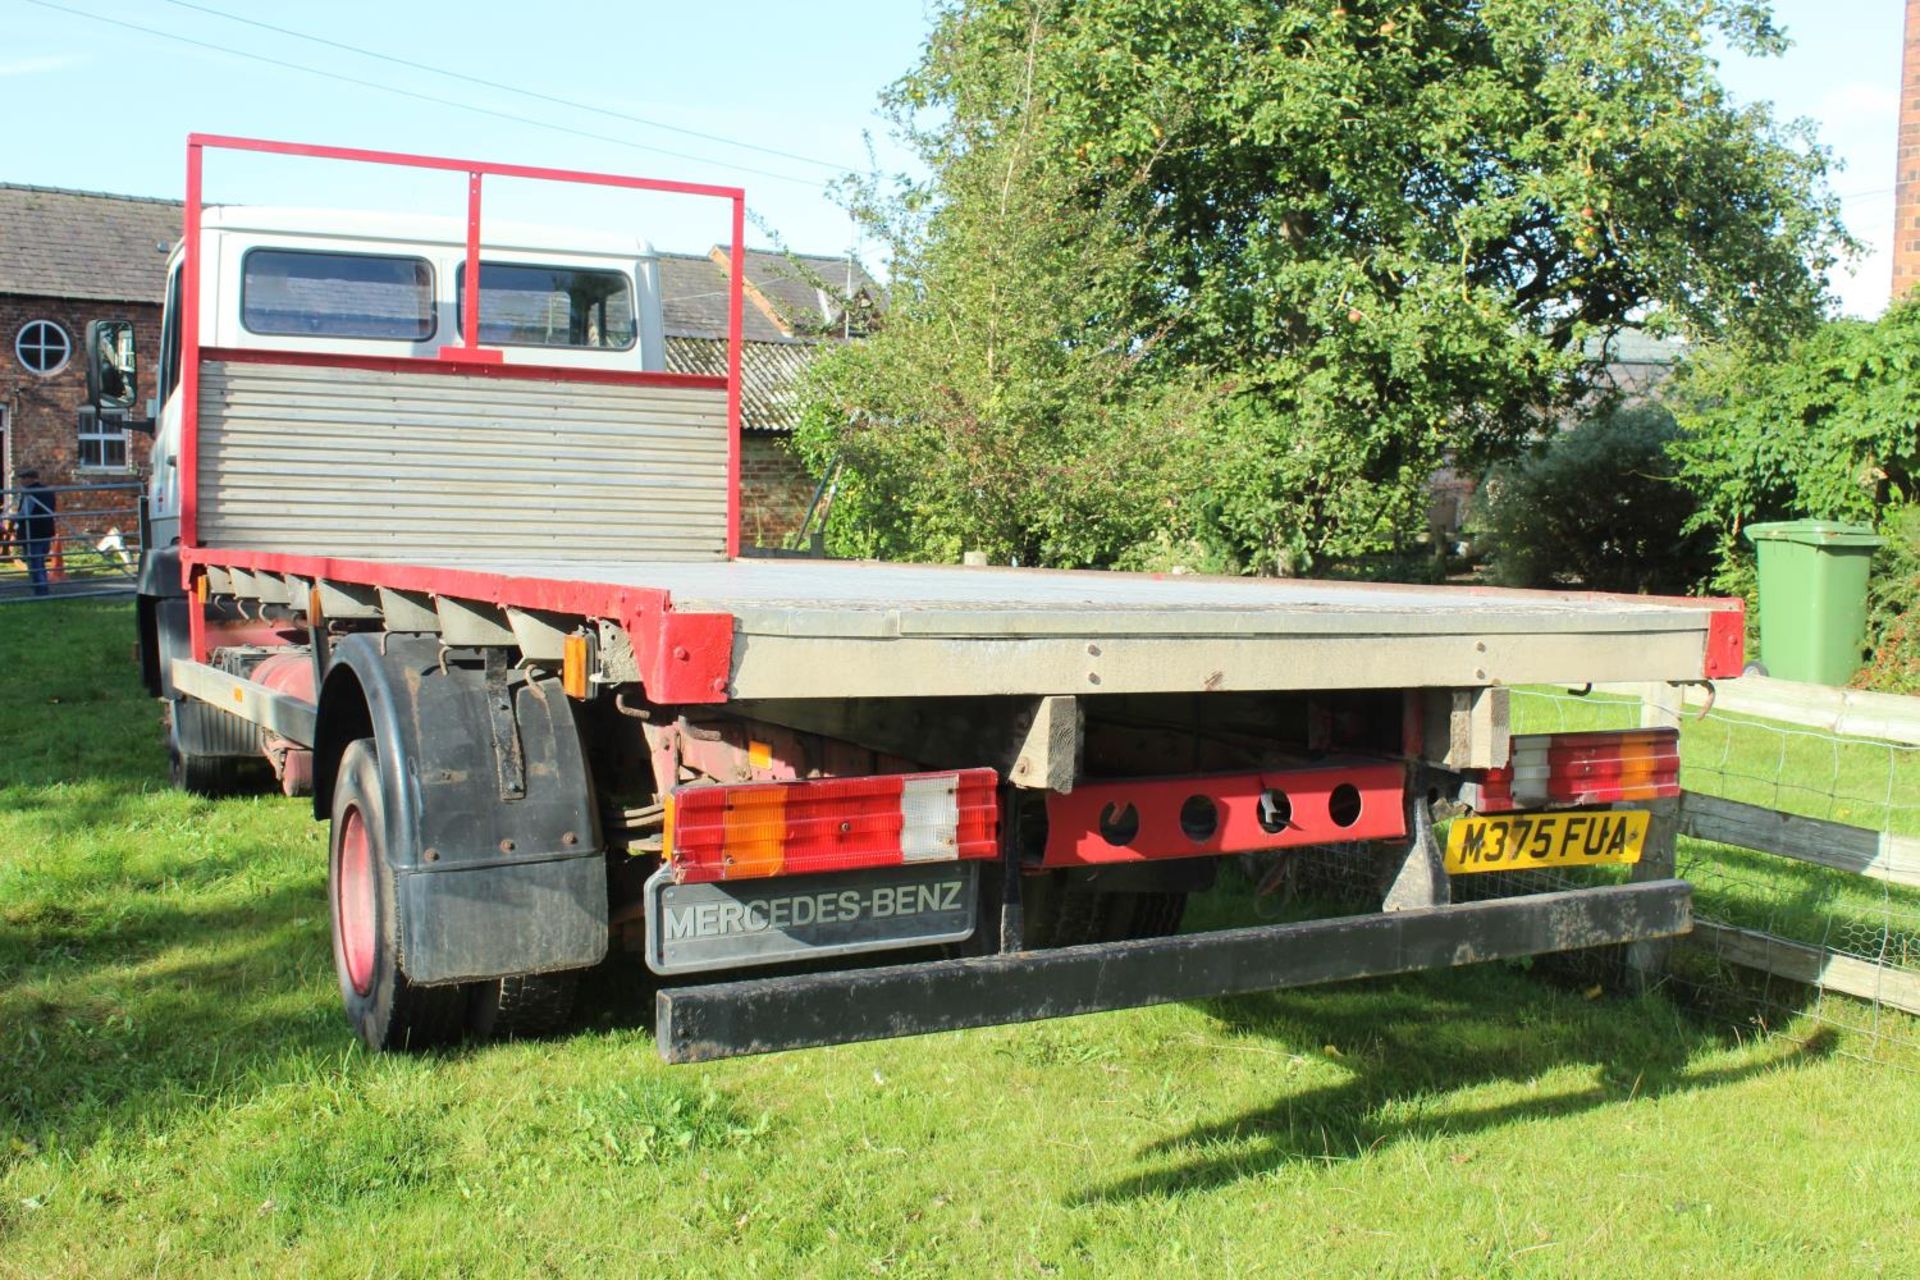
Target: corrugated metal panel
769	371
377	465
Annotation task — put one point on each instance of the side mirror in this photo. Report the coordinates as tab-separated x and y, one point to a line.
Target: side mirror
113	374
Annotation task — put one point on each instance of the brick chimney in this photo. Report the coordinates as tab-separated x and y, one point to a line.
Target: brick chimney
1906	200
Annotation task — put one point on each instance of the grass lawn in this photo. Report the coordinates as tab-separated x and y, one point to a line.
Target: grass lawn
179	1095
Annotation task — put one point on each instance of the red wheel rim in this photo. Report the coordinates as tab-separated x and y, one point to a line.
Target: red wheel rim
353	900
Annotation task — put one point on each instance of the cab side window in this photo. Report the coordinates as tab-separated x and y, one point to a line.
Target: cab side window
300	293
170	340
527	305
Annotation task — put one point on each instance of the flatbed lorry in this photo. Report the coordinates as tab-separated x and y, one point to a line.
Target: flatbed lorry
463	564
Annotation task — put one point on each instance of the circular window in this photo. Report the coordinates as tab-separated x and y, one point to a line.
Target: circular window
42	347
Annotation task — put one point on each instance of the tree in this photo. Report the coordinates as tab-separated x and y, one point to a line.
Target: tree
1597	506
1827	426
1230	278
999	406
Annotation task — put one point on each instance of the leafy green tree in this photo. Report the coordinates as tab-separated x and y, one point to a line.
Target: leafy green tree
999	407
1598	506
1225	280
1893	599
994	410
1827	427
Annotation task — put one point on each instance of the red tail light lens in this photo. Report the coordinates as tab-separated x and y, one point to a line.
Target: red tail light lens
1582	768
831	824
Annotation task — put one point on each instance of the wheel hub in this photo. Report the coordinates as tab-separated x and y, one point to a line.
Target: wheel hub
353	900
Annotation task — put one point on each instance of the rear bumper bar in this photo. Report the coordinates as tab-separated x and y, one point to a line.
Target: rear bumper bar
765	1015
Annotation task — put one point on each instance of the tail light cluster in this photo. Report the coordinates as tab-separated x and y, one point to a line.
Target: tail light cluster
1581	768
831	824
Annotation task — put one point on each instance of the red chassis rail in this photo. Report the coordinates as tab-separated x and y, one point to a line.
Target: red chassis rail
687	654
1143	819
684	656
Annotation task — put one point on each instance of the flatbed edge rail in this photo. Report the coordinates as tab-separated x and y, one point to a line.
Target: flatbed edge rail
767	1015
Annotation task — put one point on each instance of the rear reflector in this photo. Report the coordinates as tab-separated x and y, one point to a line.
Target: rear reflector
831	824
1726	640
1581	768
575	660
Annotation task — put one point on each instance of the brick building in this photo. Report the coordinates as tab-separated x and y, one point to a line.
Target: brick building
66	258
1906	199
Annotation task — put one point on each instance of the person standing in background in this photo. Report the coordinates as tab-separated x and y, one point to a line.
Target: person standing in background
33	522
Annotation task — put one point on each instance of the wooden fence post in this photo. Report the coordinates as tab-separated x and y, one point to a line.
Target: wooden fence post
1647	961
1660	705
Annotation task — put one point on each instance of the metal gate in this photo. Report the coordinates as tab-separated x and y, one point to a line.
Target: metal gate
69	540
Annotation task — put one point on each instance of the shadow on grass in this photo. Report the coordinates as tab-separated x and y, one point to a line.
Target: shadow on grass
1417	1047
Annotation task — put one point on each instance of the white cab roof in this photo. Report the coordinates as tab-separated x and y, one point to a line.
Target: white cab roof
422	229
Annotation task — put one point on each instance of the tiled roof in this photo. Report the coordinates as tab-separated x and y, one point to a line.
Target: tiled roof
83	244
802	291
693	301
768	371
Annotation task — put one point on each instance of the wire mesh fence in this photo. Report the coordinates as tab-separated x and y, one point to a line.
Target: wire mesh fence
69	540
1786	941
1826	937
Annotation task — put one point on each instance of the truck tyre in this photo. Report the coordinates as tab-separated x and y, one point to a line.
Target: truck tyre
192	772
386	1010
524	1007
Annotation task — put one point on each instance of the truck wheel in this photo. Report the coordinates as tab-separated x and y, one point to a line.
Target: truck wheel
200	775
385	1009
524	1007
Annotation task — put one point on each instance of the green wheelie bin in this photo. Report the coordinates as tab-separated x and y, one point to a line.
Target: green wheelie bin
1813	597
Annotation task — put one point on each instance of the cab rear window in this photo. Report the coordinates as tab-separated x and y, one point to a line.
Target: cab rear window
337	295
523	305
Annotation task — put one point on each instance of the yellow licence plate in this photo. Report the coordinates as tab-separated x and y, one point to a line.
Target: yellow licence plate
1514	842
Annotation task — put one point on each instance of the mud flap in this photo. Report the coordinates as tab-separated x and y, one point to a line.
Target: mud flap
464	923
488	886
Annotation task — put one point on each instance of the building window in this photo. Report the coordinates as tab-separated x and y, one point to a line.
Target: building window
42	347
103	443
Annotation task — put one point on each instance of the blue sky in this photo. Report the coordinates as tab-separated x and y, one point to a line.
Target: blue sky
111	107
1843	73
101	107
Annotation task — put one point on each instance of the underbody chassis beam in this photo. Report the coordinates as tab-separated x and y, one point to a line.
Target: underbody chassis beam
765	1015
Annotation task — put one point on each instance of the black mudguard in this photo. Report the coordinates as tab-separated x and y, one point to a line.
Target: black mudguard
161	618
497	863
160	573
